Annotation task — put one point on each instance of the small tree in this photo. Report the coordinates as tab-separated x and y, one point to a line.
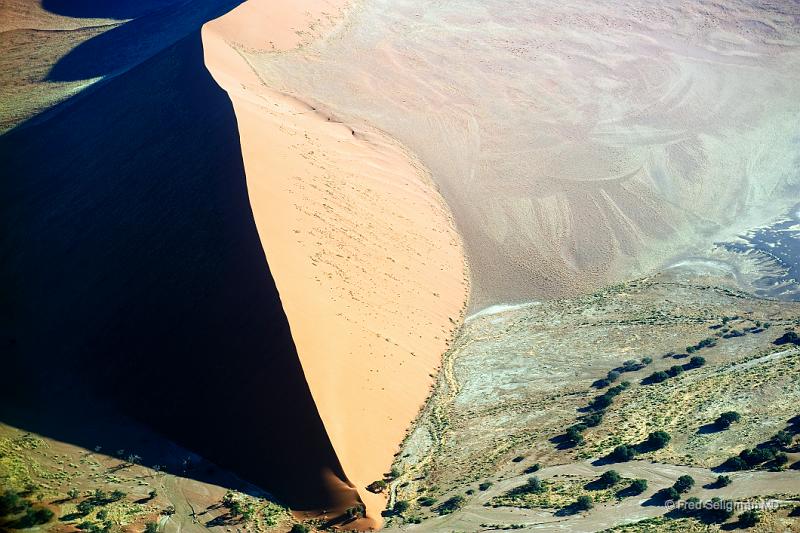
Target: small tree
782	439
612	375
533	485
426	501
734	464
401	506
684	483
300	528
638	486
151	527
724	420
669	494
657	440
623	453
73	494
749	519
451	505
723	481
533	468
697	361
609	478
583	503
485	485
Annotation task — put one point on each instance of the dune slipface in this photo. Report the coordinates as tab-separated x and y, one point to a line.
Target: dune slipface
368	265
135	278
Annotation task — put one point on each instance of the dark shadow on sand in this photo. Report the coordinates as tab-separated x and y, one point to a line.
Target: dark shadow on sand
134	280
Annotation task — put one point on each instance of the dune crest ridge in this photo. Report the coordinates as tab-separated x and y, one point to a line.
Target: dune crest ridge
370	270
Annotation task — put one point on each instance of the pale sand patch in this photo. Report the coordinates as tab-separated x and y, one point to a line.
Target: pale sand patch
364	253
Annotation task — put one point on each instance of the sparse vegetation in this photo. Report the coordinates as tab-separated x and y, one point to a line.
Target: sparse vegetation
485	485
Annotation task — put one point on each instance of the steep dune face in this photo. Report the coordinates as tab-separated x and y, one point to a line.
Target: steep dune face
134	277
369	268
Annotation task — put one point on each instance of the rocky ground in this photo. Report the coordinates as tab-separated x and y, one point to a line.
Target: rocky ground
517	379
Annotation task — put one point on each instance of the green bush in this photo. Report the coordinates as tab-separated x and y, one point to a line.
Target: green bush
426	501
401	506
724	420
623	453
583	503
723	481
657	440
533	468
300	528
684	484
669	494
638	486
749	519
151	527
485	485
451	505
609	478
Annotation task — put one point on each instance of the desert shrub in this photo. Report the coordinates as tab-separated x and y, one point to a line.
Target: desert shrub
518	459
583	503
300	528
593	419
647	360
32	517
394	473
790	337
748	519
451	505
668	494
533	468
612	375
657	440
601	402
401	506
727	418
717	512
151	527
85	507
623	453
118	495
675	370
723	481
532	486
73	494
574	435
11	503
426	501
657	377
697	361
638	486
782	439
779	460
756	456
102	514
609	478
734	464
377	486
684	484
356	511
485	485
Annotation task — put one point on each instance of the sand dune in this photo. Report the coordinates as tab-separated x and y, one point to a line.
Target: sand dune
575	143
370	270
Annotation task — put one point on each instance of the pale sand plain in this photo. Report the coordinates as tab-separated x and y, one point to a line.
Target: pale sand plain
577	143
364	253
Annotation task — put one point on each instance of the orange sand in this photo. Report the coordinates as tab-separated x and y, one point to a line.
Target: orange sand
370	269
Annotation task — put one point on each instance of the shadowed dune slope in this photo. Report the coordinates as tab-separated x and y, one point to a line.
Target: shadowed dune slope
133	272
